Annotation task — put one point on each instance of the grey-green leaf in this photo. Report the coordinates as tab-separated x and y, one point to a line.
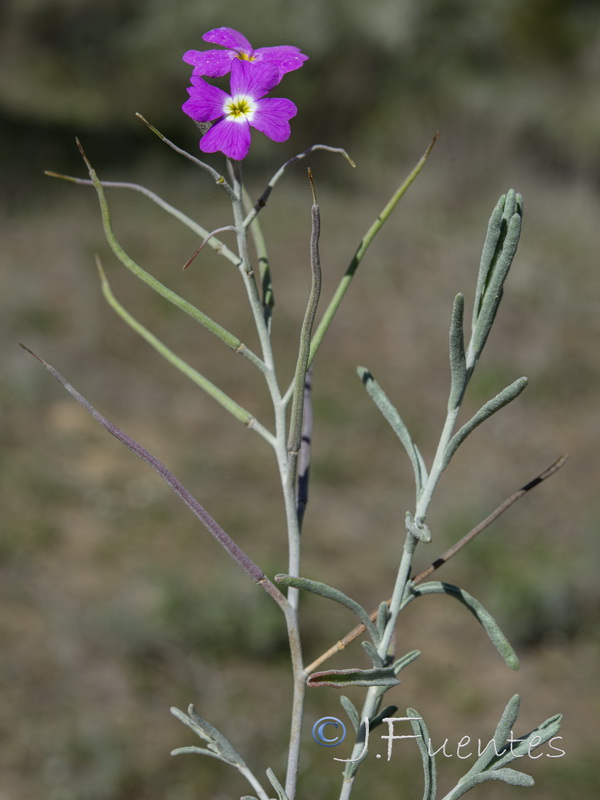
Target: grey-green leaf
487	256
488	623
392	416
384	677
429	766
495	404
351	710
323	590
371	651
489	289
204	751
458	363
405	660
526	743
217	743
281	793
510	776
383	614
503	731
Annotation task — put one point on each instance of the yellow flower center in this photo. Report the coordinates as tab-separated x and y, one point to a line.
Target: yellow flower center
239	108
245	56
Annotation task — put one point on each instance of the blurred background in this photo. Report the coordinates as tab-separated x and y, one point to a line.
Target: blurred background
114	604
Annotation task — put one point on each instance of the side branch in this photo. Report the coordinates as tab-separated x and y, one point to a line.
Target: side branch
445	557
213	527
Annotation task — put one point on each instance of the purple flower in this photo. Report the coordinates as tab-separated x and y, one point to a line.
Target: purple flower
246	106
215	63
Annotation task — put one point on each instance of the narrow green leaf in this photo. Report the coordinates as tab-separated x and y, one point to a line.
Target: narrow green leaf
281	794
458	364
323	590
392	416
351	711
429	765
486	620
502	399
384	677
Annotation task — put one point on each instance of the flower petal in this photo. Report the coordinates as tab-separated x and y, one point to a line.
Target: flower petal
285	57
272	117
213	63
205	101
252	78
228	37
231	138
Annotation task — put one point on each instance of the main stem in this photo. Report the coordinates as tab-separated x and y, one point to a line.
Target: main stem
373	696
402	579
286	474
